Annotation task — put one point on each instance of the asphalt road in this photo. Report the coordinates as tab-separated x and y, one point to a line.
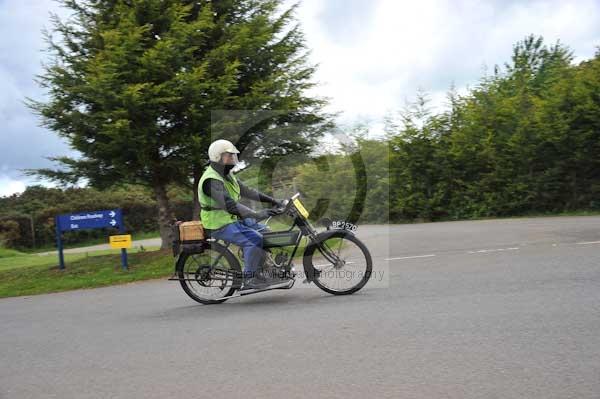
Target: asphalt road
486	309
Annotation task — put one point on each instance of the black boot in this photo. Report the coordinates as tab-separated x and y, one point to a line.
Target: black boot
272	278
254	282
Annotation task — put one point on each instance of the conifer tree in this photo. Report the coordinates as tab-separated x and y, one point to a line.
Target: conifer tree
132	83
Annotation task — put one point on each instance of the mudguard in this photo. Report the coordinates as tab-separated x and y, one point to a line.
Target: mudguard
189	247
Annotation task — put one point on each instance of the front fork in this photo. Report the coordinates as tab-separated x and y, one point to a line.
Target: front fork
318	244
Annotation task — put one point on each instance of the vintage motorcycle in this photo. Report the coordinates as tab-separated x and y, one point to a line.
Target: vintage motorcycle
335	260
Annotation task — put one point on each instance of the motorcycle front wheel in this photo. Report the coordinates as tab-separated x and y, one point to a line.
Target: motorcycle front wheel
339	262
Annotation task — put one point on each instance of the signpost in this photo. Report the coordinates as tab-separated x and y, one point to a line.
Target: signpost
112	218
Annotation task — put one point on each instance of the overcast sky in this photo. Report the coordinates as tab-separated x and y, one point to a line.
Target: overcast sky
373	55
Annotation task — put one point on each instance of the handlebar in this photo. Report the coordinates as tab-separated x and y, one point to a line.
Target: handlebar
286	208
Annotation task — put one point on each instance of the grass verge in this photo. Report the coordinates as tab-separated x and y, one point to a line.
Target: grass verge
17	260
96	271
9	253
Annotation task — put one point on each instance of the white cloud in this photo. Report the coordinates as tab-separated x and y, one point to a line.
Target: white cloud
23	143
402	46
9	186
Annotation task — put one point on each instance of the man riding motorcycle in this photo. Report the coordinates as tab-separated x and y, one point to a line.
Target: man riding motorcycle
225	218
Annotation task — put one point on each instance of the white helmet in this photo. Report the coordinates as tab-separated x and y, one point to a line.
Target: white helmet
219	147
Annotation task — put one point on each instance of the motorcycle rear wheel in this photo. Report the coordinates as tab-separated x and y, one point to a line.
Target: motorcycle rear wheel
210	275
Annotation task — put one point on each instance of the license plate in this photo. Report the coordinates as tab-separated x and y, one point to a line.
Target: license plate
300	208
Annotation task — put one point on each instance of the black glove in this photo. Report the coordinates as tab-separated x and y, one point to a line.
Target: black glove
279	203
264	214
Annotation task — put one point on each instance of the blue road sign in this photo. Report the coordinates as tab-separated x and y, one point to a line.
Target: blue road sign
91	220
112	218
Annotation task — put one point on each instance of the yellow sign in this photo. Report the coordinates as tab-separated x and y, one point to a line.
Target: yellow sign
300	208
122	241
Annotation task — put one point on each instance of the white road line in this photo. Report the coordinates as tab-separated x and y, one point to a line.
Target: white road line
588	243
410	257
329	264
484	251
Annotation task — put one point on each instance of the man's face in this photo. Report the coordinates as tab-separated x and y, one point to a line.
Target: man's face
229	158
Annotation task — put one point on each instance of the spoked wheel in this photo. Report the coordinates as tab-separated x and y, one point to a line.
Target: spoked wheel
209	276
341	263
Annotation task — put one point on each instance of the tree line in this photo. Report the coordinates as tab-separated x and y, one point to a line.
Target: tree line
524	140
27	219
